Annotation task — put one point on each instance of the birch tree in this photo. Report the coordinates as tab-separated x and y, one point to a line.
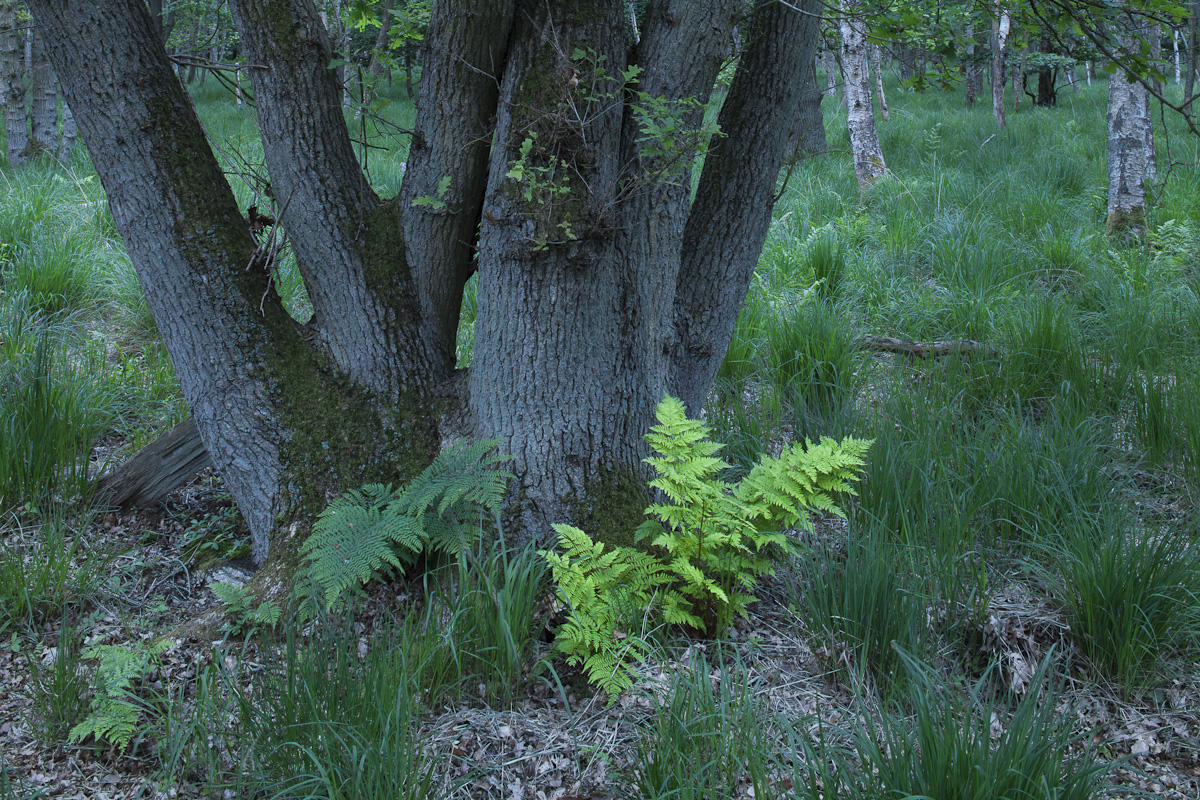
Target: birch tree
869	165
1129	129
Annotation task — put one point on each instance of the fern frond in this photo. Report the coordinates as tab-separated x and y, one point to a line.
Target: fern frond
368	530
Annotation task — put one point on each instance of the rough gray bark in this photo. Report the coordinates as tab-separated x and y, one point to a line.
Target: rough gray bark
464	55
12	82
376	67
828	60
44	108
876	59
869	165
578	258
283	424
732	209
809	135
1128	130
1000	28
66	140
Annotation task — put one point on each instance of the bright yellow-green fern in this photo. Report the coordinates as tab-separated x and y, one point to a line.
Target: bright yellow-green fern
367	531
716	540
607	594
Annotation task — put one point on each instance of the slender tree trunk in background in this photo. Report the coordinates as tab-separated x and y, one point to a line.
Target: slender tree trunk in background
1073	78
1000	27
377	68
877	69
1176	56
1193	43
972	67
1090	70
1128	131
810	122
66	141
829	61
1018	78
869	165
12	82
1155	37
44	109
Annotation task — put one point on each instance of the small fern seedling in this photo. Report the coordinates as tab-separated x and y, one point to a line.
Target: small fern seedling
115	706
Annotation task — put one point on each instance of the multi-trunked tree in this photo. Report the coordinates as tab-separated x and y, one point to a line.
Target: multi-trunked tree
550	153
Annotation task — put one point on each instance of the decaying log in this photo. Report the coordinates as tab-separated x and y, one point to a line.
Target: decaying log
923	349
152	472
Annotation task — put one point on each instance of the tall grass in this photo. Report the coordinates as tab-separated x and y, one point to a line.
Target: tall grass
1133	596
705	741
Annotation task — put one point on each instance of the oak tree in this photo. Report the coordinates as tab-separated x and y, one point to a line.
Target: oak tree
551	154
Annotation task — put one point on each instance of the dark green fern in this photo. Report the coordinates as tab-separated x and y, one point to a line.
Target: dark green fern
372	530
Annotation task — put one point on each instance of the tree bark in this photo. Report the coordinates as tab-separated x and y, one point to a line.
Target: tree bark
12	83
829	61
66	140
290	417
972	88
44	109
1128	130
732	210
809	135
1000	28
877	70
157	469
376	68
869	165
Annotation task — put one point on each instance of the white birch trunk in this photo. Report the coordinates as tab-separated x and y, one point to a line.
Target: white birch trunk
1178	61
1000	28
877	69
864	139
1128	130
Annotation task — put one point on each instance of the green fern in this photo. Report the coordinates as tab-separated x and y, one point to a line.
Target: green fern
115	707
371	530
607	593
712	542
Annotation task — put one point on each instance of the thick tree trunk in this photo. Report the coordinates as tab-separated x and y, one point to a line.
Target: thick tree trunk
290	417
877	70
1000	27
732	210
602	283
580	247
446	175
1128	131
869	165
12	83
44	109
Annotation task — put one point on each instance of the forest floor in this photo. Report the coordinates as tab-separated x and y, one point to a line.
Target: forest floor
560	740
